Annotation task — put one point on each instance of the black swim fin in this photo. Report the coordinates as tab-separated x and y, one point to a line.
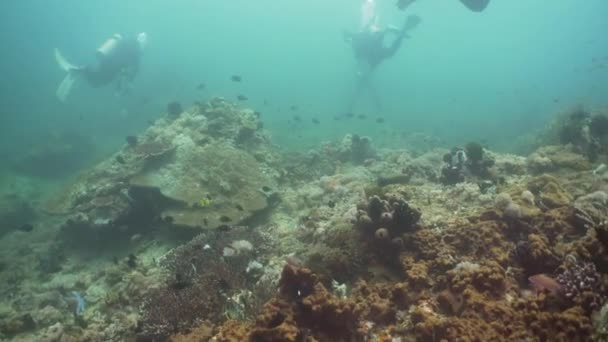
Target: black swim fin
476	5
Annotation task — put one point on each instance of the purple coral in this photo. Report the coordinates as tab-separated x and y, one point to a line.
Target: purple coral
582	280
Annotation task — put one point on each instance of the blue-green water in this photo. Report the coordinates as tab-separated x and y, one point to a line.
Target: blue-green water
490	76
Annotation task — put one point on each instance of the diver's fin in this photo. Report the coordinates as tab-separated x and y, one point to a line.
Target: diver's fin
411	22
65	87
63	63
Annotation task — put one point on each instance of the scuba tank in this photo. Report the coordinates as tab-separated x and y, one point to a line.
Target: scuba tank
109	46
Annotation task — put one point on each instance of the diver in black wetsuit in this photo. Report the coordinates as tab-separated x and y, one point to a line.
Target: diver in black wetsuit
371	48
118	61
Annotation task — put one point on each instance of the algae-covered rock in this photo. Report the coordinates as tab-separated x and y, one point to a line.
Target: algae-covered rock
214	184
550	158
14	212
205	168
549	192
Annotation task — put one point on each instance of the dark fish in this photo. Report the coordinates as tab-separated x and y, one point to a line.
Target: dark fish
26	228
205	222
331	204
316	121
361	116
236	78
242	98
132	261
337	118
201	86
266	189
350	115
239	207
131	140
294	107
174	108
225	218
265	102
223	228
120	160
297	118
257	114
168	219
380	120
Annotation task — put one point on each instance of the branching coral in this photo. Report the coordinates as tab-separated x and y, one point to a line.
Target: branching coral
199	285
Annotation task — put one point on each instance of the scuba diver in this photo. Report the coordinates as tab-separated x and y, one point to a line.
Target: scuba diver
371	48
118	61
473	5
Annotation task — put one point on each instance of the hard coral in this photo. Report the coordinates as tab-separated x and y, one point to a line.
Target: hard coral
390	212
582	284
304	311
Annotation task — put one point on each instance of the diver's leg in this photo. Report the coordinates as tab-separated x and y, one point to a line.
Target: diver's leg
373	93
360	84
363	79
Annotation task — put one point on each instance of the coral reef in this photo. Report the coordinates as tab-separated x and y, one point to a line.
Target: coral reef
198	229
200	280
355	149
385	219
470	162
15	211
199	157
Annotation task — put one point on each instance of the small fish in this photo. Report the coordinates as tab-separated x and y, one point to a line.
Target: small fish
201	86
316	121
336	117
294	107
120	160
350	115
544	282
297	118
236	78
266	188
131	140
331	204
257	114
26	228
205	222
225	218
380	120
242	98
239	207
361	116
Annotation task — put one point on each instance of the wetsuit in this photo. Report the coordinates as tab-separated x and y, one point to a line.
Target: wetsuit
369	46
122	64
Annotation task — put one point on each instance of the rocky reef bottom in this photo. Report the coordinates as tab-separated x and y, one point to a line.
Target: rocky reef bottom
341	243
